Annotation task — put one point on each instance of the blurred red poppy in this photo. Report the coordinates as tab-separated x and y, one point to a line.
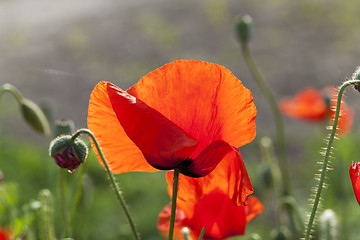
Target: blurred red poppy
314	105
354	172
205	202
185	115
5	234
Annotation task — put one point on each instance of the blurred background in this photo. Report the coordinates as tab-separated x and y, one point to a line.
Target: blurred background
55	52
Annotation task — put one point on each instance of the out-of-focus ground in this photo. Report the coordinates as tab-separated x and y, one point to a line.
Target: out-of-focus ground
55	52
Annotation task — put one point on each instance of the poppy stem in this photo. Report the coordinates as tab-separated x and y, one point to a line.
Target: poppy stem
79	193
254	69
64	208
326	157
111	176
173	202
11	89
283	164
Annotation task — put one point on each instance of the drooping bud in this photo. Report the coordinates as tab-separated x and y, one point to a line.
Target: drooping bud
68	153
34	116
243	28
356	76
63	127
328	225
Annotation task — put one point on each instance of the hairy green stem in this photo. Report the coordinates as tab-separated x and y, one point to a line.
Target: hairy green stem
326	158
79	192
64	208
111	176
202	234
173	203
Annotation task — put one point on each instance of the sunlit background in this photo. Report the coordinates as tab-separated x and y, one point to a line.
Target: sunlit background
55	52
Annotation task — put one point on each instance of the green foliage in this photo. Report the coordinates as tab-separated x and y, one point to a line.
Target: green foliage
99	216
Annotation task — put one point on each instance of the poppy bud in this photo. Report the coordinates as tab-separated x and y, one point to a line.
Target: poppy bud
34	116
356	76
328	225
354	172
266	175
63	127
243	28
254	236
68	153
280	233
268	171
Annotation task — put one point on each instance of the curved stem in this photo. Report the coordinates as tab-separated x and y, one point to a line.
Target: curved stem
111	176
326	157
173	203
11	89
78	194
277	115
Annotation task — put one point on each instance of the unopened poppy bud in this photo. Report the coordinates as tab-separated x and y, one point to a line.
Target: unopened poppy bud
243	28
34	116
63	127
356	76
280	233
266	175
68	153
328	225
254	236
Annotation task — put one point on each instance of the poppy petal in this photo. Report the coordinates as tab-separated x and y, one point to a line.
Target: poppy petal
354	172
121	153
226	219
307	104
207	159
204	99
230	176
163	144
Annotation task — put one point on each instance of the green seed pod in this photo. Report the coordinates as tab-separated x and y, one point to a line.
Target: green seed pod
63	127
68	153
243	28
34	116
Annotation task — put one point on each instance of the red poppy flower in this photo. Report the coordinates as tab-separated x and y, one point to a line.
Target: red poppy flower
5	234
205	202
308	104
314	105
186	115
354	172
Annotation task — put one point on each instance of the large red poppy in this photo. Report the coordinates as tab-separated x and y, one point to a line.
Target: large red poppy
314	105
354	172
185	115
205	202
